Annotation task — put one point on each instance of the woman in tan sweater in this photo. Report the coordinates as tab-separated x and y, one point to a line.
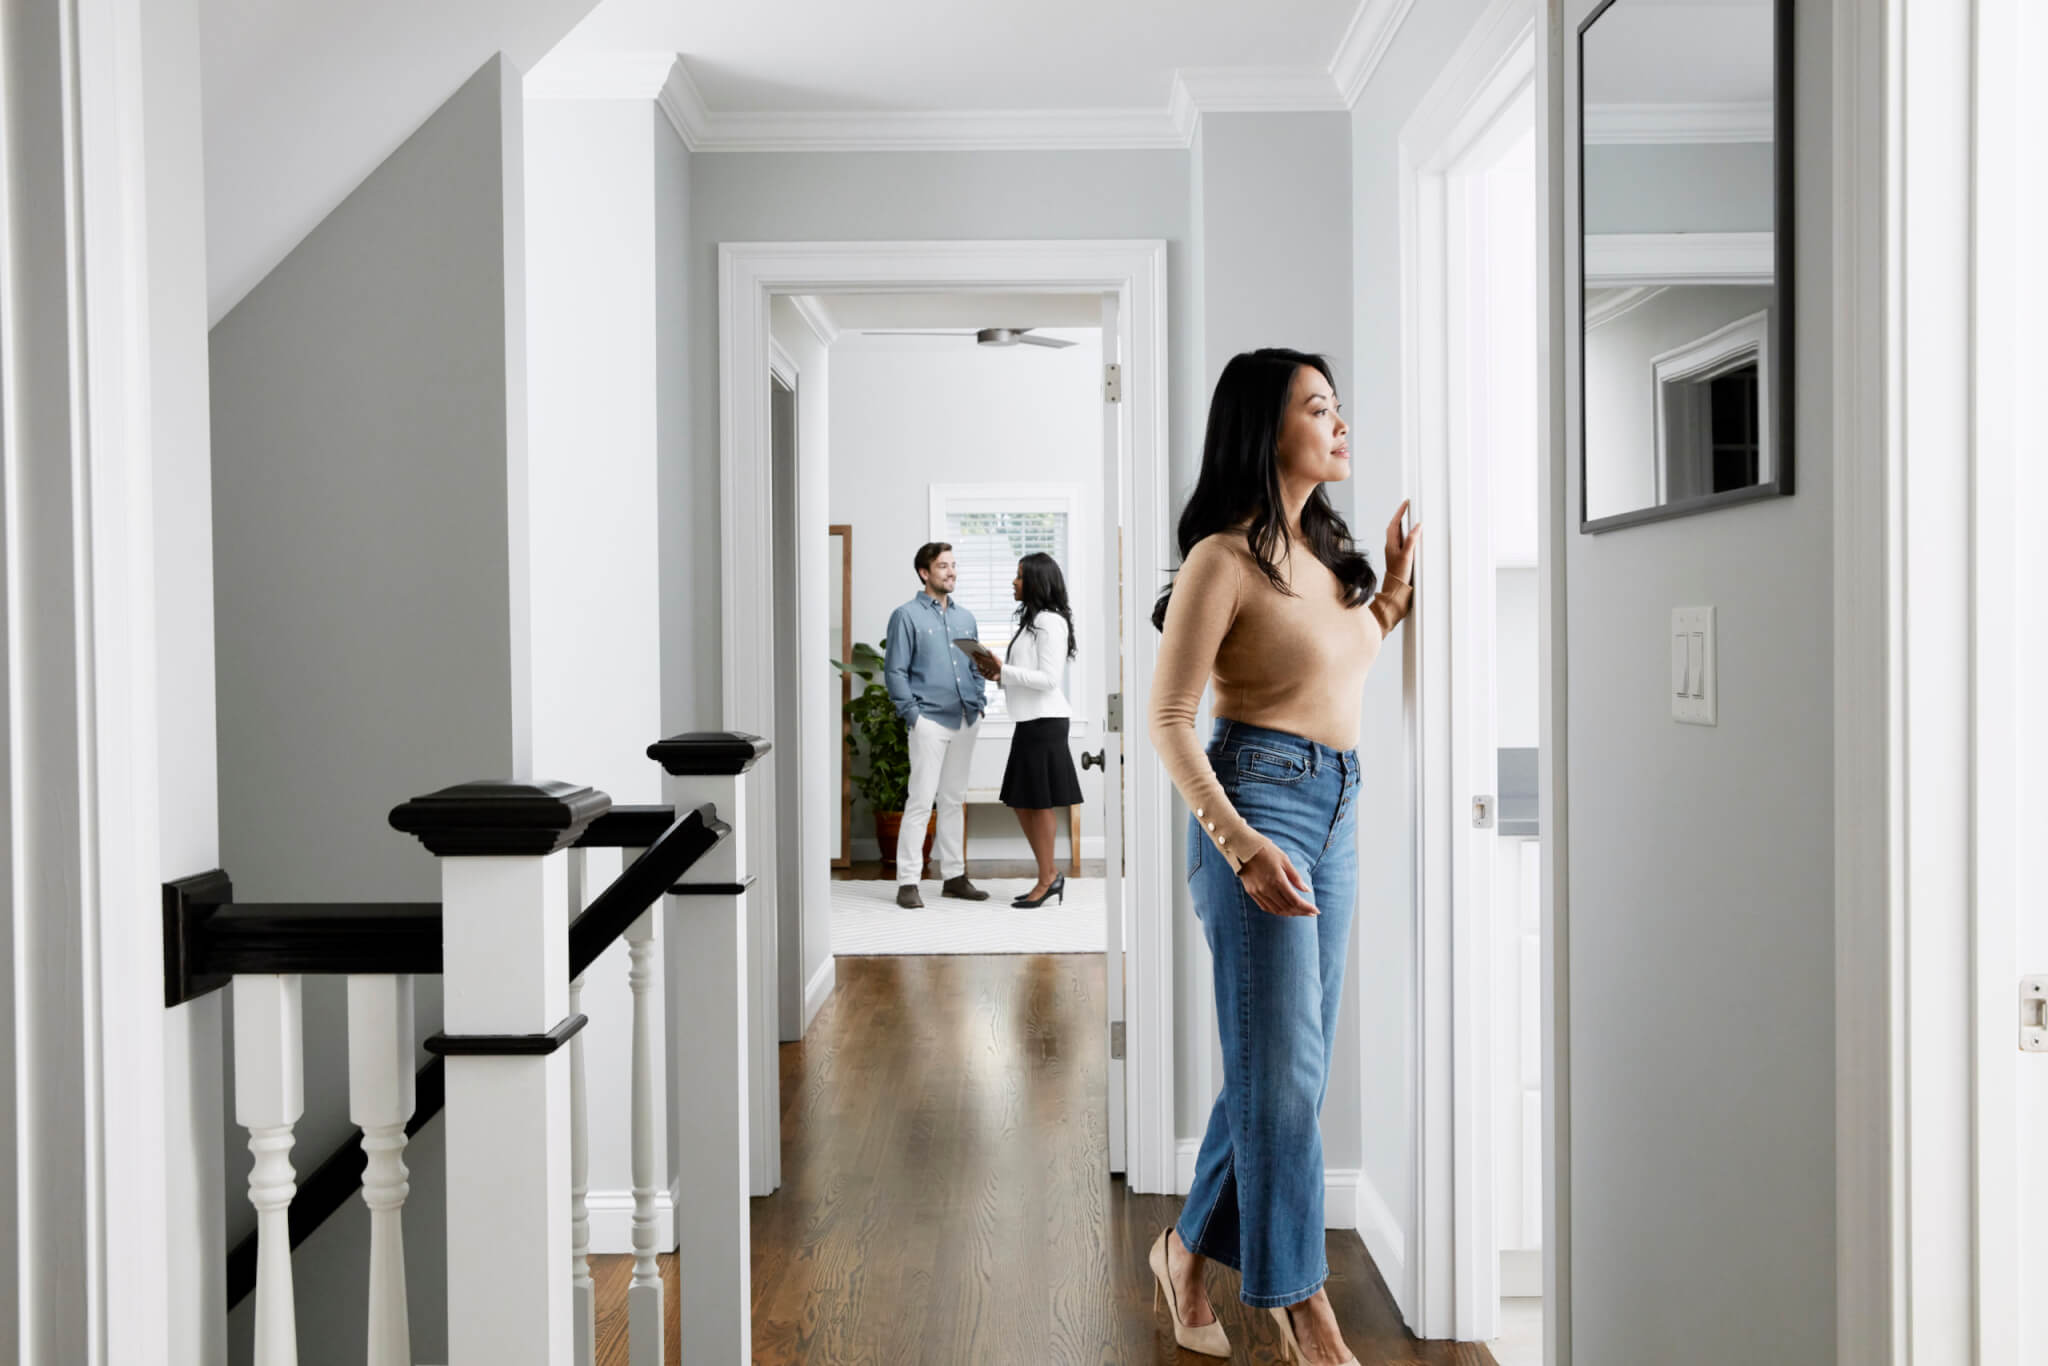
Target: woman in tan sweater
1278	610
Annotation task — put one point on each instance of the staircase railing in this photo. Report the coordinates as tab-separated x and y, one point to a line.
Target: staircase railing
512	937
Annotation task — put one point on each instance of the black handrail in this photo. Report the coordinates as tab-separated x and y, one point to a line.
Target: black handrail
627	827
642	884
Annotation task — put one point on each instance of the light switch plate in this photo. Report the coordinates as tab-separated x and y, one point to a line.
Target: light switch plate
1694	667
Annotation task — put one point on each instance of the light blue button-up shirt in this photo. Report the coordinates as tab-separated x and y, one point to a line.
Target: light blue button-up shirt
925	673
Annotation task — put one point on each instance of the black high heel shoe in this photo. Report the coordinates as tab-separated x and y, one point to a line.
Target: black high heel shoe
1057	889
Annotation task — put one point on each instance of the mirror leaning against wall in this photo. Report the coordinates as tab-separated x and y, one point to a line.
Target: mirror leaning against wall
1685	226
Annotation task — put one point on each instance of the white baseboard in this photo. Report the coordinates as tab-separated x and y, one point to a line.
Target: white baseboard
1521	1273
1385	1243
1340	1196
819	989
611	1221
1340	1185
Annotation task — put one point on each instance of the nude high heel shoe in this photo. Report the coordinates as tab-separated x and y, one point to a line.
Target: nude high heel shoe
1207	1338
1294	1352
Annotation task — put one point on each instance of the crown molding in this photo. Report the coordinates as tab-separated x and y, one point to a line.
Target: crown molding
816	316
684	107
1635	124
1364	44
1624	301
665	78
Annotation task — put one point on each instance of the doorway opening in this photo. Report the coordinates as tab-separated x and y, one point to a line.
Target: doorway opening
778	666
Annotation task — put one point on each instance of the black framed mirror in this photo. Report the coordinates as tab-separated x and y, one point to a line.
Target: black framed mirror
1685	258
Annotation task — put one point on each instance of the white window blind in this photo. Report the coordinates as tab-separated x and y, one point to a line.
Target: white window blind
990	530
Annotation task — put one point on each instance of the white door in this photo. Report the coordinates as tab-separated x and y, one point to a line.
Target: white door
1108	703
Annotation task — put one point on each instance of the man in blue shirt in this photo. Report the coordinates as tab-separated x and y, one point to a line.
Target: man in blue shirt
940	697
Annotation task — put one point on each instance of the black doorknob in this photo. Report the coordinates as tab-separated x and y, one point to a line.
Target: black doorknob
1099	759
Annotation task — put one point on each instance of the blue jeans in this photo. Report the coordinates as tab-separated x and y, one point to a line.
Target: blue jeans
1257	1200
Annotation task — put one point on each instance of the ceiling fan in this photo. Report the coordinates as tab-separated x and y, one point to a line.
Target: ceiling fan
988	336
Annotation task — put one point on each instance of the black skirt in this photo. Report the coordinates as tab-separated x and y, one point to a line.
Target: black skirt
1041	769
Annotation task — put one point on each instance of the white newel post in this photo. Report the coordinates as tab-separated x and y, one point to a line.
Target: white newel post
644	1298
380	1101
707	1050
505	982
582	1289
270	1095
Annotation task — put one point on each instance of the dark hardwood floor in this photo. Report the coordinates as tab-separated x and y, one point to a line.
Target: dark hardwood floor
944	1196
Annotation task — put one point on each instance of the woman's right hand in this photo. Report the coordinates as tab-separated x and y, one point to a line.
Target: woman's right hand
1273	881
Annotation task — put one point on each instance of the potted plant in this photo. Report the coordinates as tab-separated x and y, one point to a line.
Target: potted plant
885	745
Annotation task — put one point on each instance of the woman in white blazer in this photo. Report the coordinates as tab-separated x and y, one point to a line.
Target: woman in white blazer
1040	777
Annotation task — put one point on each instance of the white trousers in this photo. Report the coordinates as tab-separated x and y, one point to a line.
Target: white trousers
939	758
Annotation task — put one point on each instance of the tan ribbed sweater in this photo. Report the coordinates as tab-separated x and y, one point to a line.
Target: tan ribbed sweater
1291	663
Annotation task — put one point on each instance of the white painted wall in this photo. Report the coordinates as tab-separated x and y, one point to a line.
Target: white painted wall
305	99
369	511
1517	681
911	412
809	912
593	380
1702	922
1621	427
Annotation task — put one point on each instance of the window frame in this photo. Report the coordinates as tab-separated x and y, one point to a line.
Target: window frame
1080	566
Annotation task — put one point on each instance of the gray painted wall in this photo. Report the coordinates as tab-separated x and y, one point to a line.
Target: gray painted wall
1683	187
1386	961
1702	1011
1274	208
368	421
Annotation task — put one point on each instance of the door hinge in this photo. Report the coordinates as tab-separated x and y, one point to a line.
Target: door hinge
1116	1040
1113	382
1482	813
1115	723
2034	1014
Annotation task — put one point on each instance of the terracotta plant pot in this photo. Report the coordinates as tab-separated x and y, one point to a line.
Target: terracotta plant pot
888	825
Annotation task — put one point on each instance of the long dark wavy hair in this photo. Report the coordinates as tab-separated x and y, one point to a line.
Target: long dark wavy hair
1045	590
1241	478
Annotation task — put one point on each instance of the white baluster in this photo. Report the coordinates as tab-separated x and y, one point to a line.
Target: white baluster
582	1288
270	1095
644	1298
380	1101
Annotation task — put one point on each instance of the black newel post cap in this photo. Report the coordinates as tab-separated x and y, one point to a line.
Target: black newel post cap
501	818
708	751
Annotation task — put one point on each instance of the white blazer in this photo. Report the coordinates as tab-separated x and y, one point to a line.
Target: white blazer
1034	674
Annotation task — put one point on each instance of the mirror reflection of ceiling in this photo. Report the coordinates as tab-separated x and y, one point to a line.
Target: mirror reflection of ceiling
1705	62
888	312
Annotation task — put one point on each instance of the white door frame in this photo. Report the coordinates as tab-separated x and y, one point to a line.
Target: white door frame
1450	1275
83	1146
749	275
1925	1004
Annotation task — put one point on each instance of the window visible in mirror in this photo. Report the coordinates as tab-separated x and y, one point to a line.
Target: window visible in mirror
1685	248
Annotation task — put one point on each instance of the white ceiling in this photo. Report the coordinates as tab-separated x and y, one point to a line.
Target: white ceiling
862	312
1686	52
911	56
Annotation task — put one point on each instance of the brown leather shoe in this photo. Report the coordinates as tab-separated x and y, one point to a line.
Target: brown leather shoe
908	898
962	889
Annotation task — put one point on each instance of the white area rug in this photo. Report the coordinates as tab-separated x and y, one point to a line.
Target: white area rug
866	920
